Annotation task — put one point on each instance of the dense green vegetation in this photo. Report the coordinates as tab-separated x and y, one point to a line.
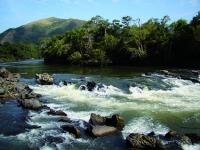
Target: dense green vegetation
18	51
44	28
128	42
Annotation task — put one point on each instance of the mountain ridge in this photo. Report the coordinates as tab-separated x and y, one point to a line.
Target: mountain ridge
42	28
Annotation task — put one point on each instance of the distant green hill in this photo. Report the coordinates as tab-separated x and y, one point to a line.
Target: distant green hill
32	32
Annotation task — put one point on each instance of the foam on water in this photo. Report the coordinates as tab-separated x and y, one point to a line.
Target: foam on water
182	97
144	125
191	147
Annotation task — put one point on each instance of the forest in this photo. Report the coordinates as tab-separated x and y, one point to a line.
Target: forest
128	41
18	51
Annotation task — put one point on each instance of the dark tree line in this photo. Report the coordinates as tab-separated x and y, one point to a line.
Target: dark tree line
128	42
18	51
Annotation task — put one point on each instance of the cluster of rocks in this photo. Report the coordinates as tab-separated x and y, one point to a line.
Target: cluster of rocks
11	88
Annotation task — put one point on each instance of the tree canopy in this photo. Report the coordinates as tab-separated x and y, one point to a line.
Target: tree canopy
128	42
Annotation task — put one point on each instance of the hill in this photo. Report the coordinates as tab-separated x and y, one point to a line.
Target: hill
44	28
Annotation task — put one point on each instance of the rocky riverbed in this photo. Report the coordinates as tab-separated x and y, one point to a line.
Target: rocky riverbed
106	128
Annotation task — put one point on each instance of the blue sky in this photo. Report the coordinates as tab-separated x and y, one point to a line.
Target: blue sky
14	13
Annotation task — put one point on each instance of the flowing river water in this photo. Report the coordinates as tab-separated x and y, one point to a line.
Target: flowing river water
147	100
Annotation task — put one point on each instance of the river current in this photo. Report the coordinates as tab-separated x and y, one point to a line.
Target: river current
147	100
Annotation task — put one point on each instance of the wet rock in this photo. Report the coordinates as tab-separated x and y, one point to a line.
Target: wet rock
65	83
33	104
33	127
65	119
2	91
4	73
151	134
56	113
31	95
44	79
171	134
195	138
114	121
141	142
82	87
97	119
72	129
174	136
91	85
99	131
54	139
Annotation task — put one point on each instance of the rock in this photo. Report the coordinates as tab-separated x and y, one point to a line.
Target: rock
65	119
195	138
56	113
99	131
2	91
82	87
4	73
44	79
171	134
54	139
91	85
31	95
72	129
114	121
141	141
97	119
31	104
152	133
174	136
65	83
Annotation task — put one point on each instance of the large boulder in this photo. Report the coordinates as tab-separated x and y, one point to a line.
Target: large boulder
44	79
113	121
142	142
33	104
99	131
56	113
72	129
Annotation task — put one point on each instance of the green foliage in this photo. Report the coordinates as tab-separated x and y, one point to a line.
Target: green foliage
127	42
18	51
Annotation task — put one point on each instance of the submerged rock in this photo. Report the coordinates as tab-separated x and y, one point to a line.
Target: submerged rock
91	85
54	139
99	131
56	112
44	79
72	129
31	104
142	142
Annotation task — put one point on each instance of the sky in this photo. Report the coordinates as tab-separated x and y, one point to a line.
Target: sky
14	13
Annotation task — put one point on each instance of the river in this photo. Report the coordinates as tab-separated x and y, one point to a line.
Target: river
147	100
